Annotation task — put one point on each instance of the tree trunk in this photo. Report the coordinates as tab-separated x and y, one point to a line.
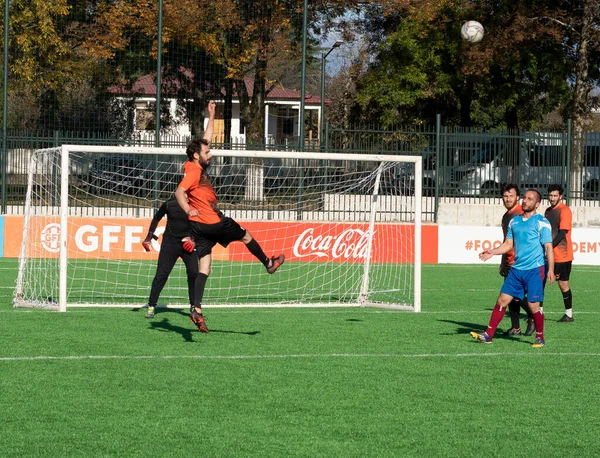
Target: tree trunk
583	86
196	115
228	113
511	116
255	130
465	97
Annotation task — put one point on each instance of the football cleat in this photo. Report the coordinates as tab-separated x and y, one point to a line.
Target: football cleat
483	338
276	262
538	343
566	319
530	327
150	312
513	332
198	320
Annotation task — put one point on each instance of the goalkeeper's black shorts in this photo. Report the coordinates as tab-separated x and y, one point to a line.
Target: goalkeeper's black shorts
207	236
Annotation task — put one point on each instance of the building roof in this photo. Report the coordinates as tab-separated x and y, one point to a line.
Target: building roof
146	86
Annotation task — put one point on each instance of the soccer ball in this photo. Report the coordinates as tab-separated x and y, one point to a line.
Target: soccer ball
472	31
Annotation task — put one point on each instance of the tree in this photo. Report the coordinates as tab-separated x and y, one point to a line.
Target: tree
211	48
52	84
424	68
582	47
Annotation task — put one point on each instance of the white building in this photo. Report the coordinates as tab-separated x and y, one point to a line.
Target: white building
281	113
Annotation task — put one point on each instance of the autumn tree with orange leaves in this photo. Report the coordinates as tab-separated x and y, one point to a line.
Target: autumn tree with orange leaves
211	49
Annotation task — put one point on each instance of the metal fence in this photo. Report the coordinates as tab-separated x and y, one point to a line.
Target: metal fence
468	166
461	165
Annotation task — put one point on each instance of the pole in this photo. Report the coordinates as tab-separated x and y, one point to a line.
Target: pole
4	161
324	55
303	78
569	166
322	124
158	76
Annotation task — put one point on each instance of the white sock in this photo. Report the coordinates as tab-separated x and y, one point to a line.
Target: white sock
569	313
542	310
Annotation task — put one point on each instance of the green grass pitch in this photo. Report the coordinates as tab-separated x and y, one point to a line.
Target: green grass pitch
348	382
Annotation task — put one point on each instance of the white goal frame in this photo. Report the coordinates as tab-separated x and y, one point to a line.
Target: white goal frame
61	305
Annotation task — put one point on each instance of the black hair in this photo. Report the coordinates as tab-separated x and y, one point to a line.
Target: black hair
556	187
508	186
195	146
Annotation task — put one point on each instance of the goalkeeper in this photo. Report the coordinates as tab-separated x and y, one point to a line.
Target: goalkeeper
209	225
176	243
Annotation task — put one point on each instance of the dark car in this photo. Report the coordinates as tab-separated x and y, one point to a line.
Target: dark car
117	174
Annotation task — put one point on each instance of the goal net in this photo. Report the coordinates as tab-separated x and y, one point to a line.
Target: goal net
349	235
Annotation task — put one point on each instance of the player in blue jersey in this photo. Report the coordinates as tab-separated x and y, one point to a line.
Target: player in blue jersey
530	235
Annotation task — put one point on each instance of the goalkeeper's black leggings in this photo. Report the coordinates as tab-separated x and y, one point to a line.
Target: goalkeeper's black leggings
171	249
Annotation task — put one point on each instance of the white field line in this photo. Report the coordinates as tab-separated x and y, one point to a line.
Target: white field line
308	310
535	353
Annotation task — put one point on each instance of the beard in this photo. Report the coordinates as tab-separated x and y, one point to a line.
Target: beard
205	165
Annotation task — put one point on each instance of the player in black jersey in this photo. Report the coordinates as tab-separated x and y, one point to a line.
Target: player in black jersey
176	243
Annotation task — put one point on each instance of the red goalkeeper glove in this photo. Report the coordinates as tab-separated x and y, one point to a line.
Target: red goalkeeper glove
146	244
188	244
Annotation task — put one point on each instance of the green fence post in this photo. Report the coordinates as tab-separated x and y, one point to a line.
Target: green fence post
436	203
4	161
301	114
157	121
568	180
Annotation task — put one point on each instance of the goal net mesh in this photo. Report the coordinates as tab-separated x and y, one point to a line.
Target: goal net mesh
346	229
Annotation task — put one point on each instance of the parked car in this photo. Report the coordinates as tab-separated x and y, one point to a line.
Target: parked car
118	174
539	161
458	153
478	166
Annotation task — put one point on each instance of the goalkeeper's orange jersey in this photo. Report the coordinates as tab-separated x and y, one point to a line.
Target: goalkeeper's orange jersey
201	195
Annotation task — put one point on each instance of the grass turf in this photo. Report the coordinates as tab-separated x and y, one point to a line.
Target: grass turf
302	381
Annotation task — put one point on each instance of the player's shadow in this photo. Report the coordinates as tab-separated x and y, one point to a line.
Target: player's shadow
465	328
163	324
248	333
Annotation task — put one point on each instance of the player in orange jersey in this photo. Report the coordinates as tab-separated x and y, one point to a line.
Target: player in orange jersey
209	225
561	220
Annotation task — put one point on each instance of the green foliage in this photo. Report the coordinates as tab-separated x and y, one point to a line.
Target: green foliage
521	71
408	80
65	56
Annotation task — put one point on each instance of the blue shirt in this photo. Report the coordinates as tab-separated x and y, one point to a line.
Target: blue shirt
529	236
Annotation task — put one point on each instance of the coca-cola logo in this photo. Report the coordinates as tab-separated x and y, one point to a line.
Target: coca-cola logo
350	244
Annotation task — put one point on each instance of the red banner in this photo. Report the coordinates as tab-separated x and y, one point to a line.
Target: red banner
120	238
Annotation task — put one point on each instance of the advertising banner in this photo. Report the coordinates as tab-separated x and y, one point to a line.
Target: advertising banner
121	238
462	244
2	236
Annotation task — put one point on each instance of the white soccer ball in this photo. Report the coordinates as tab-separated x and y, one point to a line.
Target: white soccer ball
472	31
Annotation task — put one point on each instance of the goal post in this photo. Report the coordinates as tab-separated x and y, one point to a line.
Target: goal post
350	233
